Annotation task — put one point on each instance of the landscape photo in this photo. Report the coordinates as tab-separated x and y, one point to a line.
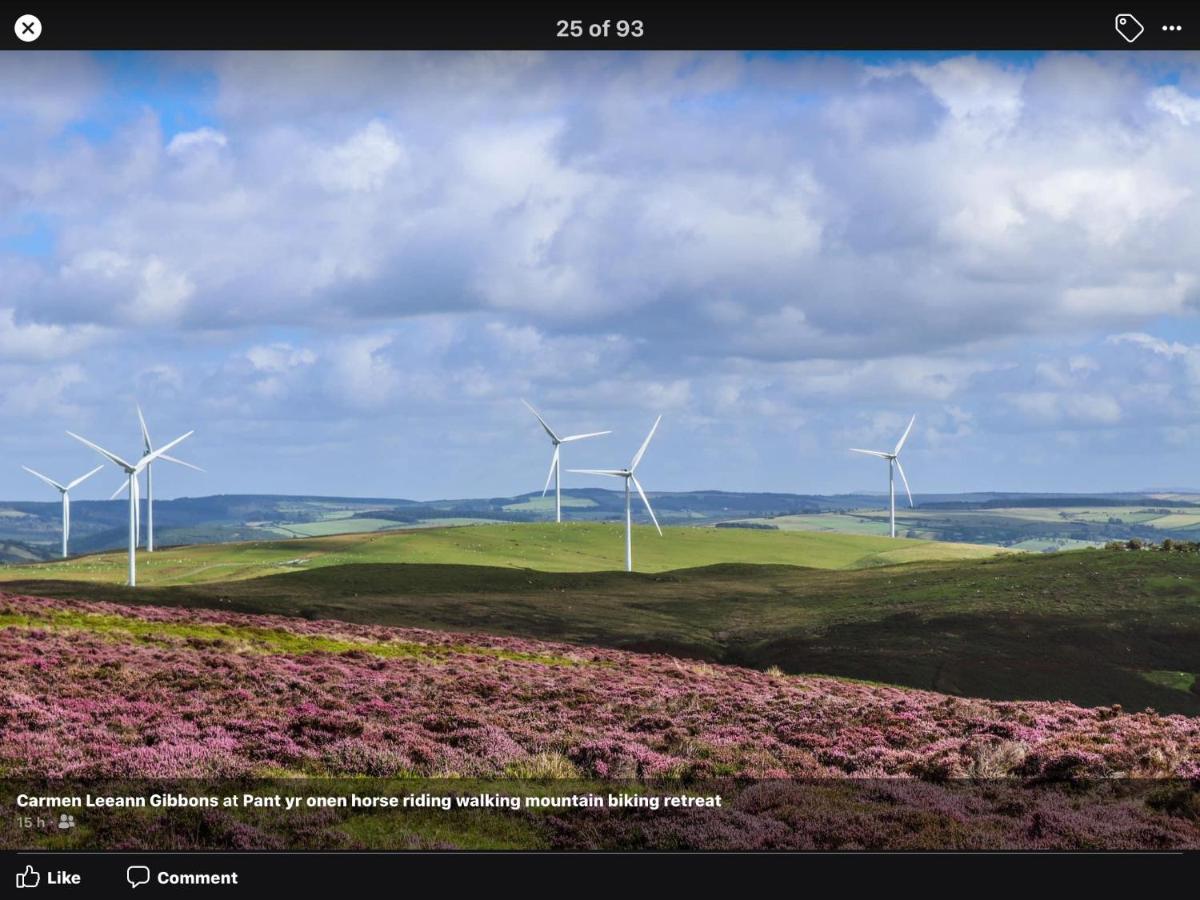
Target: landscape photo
631	451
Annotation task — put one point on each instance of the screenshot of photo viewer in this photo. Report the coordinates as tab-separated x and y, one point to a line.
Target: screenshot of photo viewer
498	435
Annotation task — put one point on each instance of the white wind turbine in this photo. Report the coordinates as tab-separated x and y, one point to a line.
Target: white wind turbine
65	490
628	475
893	459
149	449
132	470
556	460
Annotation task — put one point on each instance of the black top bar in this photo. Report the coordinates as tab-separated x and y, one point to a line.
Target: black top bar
831	25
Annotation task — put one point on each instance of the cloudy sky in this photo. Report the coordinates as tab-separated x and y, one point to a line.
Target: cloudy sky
344	271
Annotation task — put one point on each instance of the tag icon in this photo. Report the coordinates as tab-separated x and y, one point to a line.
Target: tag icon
1129	27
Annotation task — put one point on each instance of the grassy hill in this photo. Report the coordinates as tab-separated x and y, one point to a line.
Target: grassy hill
1093	627
570	547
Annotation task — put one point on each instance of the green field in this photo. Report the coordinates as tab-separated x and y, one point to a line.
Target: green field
843	523
546	504
570	547
979	522
336	525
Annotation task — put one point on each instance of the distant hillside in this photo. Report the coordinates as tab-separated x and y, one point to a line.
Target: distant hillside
32	529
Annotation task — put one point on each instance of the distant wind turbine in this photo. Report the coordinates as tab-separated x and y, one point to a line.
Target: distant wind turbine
65	490
893	459
132	470
556	459
148	450
628	475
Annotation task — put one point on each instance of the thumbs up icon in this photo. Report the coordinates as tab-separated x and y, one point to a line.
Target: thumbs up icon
29	878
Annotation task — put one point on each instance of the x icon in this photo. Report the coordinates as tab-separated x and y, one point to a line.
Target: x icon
28	28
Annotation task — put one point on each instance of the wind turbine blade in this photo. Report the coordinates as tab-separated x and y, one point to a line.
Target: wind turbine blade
904	437
145	430
878	453
49	481
550	474
549	430
150	457
646	443
119	491
615	473
82	478
111	456
580	437
637	484
905	480
180	462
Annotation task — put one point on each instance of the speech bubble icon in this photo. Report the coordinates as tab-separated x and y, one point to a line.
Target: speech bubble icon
136	875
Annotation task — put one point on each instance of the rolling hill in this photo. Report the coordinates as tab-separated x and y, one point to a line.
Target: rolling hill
570	547
1093	627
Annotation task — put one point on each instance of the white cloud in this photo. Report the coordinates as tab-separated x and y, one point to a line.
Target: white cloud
43	394
1067	407
981	96
1151	343
34	341
1108	203
279	357
1138	295
161	294
361	374
363	162
1174	102
143	291
191	141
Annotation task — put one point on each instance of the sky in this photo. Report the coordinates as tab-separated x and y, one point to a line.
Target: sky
345	271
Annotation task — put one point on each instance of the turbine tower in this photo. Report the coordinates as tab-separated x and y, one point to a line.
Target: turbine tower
893	459
556	459
628	475
132	470
65	490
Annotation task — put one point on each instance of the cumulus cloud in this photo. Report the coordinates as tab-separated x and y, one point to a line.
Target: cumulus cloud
362	374
33	341
363	161
43	393
1171	100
